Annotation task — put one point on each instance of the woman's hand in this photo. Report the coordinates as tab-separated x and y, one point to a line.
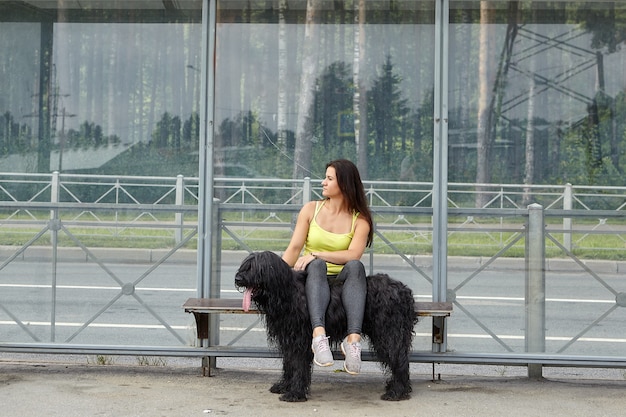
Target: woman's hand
303	261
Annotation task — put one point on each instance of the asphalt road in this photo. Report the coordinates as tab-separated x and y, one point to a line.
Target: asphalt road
136	303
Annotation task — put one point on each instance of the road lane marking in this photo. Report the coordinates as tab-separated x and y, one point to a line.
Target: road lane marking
262	330
93	287
193	291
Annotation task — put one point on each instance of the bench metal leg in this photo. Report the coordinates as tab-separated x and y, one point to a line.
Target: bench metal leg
439	334
435	378
203	329
209	363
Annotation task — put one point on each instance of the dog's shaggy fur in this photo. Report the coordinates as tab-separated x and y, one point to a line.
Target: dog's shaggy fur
278	292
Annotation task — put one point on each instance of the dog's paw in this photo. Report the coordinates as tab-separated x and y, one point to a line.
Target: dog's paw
292	397
394	396
278	388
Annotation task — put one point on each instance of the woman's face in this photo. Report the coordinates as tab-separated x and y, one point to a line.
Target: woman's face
330	186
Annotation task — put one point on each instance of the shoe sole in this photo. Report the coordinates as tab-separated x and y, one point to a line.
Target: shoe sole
320	364
344	363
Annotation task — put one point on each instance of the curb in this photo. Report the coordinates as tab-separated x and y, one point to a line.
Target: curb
233	258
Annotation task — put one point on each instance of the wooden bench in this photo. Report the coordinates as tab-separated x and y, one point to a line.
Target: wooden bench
202	308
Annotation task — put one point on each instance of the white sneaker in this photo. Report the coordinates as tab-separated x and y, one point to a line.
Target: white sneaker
352	351
322	356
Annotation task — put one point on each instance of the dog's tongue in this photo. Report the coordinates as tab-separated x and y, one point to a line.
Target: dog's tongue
247	299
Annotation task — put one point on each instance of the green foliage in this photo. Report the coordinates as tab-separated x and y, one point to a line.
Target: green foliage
585	147
607	24
151	361
89	135
101	360
389	124
333	101
14	137
168	132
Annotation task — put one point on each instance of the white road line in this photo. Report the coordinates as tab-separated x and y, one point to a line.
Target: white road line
521	299
262	330
101	325
520	337
93	287
192	290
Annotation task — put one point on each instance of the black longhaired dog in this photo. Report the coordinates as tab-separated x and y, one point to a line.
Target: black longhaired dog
278	292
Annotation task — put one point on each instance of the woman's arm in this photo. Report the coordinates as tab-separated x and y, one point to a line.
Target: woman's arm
300	233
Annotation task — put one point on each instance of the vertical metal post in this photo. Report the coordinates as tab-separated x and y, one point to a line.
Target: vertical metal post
567	221
216	280
205	168
306	190
535	286
180	200
117	201
440	171
54	236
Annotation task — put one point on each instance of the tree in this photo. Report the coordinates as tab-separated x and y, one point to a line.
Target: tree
333	99
486	79
191	131
388	117
281	116
167	132
310	48
360	92
13	136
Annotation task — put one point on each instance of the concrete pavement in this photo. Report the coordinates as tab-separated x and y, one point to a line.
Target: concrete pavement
76	386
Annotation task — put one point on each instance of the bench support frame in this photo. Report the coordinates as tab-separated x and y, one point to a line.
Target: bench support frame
205	310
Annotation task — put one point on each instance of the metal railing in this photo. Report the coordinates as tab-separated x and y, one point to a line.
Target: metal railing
180	190
69	210
533	235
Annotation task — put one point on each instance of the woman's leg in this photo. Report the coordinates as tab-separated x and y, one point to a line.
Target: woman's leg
318	298
317	292
353	296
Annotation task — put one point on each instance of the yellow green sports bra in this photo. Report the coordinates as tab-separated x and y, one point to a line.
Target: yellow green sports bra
320	240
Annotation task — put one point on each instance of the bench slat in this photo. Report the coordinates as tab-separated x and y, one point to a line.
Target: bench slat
233	306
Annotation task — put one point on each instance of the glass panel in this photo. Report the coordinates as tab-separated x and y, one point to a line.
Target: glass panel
291	97
18	89
536	93
114	98
107	95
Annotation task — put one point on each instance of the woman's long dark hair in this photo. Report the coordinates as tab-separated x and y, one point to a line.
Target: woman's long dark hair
351	186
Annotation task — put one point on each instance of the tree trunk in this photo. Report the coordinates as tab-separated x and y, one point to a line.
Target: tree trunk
464	39
360	92
529	167
486	77
304	125
281	117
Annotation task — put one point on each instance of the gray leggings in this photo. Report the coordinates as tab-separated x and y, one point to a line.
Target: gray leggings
352	296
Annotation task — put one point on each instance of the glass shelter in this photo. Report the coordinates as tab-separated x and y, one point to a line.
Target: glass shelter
147	146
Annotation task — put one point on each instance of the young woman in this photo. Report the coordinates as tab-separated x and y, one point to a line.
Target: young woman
328	241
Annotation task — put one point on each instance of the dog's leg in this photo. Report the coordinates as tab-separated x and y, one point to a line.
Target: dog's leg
296	380
297	364
392	350
389	323
280	387
398	386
